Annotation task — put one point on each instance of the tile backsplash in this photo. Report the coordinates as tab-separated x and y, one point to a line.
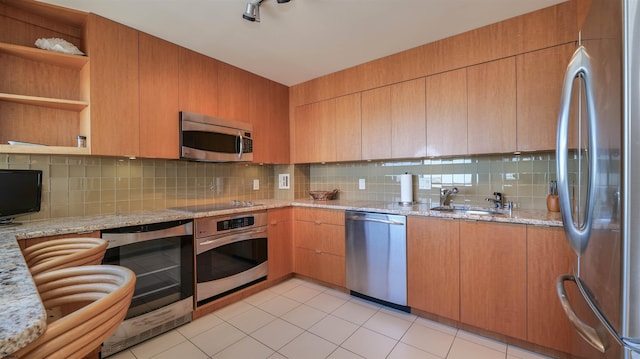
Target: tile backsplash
77	185
523	179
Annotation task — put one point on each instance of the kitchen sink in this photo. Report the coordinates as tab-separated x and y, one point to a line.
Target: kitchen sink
470	211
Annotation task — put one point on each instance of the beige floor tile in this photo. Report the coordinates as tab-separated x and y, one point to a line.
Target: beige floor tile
304	316
326	302
244	348
404	351
251	320
308	346
301	293
182	350
199	325
516	352
388	325
232	310
477	339
355	312
437	326
334	329
369	344
158	344
463	349
428	339
277	333
218	338
341	353
125	354
261	297
279	305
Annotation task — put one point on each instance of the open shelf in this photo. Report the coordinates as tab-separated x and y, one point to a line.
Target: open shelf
61	104
50	57
47	150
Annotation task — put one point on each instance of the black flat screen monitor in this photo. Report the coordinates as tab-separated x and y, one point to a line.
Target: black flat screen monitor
20	193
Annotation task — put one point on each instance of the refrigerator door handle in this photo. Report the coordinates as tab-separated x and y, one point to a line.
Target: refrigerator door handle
587	332
579	66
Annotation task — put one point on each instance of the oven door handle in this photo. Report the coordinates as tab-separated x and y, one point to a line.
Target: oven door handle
209	243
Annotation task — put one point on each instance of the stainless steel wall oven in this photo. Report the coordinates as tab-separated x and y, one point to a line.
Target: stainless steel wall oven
231	254
161	256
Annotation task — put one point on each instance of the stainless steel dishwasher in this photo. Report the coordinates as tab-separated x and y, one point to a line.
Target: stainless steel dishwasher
376	255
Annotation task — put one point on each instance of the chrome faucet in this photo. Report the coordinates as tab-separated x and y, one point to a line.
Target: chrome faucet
498	200
445	195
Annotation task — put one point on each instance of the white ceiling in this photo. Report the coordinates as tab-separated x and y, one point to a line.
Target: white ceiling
304	39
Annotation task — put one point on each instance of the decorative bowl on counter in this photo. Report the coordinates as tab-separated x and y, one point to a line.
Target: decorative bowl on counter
323	195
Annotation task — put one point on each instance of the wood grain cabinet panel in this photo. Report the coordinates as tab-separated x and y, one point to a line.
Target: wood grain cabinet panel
376	123
115	109
493	287
348	128
492	107
280	248
447	113
198	83
320	245
408	124
233	94
540	74
268	110
433	265
548	256
159	98
314	139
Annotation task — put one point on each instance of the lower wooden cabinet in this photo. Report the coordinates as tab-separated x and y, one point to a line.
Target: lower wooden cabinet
319	241
280	247
493	277
433	265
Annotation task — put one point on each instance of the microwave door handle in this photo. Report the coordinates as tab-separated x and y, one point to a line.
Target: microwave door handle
578	235
241	144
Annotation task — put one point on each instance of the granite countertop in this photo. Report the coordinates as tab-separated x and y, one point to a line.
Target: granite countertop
23	318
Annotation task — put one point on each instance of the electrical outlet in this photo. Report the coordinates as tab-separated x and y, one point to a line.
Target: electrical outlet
256	184
362	183
424	182
283	181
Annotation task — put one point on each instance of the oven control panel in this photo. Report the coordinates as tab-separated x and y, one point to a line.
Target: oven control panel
219	225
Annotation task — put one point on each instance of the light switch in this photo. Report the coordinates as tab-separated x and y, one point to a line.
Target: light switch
283	181
256	184
362	183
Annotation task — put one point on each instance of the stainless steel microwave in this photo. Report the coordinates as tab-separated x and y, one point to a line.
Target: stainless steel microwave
205	138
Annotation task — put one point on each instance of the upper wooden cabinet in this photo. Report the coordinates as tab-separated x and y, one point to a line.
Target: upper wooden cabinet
159	98
540	74
268	106
114	88
317	126
493	277
433	265
233	92
447	113
492	107
393	121
198	83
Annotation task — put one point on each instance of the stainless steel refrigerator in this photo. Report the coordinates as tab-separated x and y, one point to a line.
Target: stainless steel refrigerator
599	178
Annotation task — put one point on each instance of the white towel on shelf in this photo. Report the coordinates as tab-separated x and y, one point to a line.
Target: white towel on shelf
58	45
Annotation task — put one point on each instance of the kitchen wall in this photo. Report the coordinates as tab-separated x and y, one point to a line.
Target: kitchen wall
523	179
77	185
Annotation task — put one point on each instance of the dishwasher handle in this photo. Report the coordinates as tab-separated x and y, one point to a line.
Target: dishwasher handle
377	220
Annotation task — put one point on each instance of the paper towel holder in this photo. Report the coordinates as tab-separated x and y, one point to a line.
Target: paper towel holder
406	194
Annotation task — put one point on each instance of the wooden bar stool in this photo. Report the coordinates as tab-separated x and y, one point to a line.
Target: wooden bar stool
107	290
64	253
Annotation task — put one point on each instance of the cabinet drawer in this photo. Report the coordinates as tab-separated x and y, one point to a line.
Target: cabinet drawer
319	215
324	238
325	267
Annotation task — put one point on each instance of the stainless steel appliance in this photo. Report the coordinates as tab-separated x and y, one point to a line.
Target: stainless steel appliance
231	253
376	255
205	138
161	256
600	200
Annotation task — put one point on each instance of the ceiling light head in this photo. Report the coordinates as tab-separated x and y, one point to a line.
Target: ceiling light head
283	1
253	11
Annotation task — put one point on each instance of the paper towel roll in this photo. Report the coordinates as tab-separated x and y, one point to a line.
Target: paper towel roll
406	188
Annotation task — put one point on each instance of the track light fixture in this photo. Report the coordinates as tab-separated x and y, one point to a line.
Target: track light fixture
252	13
